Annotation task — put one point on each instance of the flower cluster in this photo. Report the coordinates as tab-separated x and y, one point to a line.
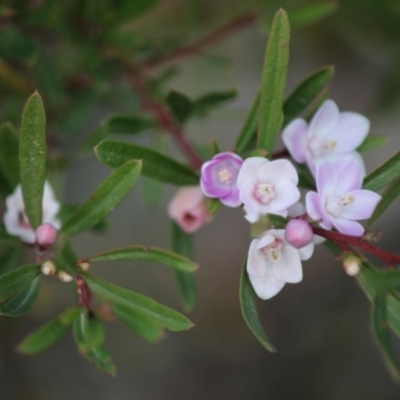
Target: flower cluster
328	146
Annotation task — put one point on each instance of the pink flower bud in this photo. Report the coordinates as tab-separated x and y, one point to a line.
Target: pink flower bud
189	209
46	235
298	233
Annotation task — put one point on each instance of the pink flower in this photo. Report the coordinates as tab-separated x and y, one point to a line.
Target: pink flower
272	262
340	201
189	208
267	187
329	135
15	220
218	178
46	235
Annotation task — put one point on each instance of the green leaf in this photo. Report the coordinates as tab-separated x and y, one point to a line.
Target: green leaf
22	302
16	280
165	317
6	239
153	254
182	243
207	102
66	259
180	105
312	13
249	130
372	142
381	332
249	310
10	258
129	124
49	334
155	165
104	199
383	281
383	175
274	82
306	92
9	154
33	155
144	326
391	193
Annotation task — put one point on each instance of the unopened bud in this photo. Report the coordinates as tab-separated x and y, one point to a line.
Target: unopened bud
46	235
352	265
64	277
298	233
84	266
48	268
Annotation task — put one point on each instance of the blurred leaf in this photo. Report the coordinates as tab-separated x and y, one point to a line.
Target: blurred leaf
104	199
384	174
182	243
391	193
306	180
5	188
12	79
163	315
249	130
152	254
218	61
101	133
180	105
382	334
274	82
22	302
13	281
213	206
144	326
49	334
155	165
33	155
249	310
383	281
90	329
6	239
9	151
207	102
306	92
10	258
372	142
66	259
312	13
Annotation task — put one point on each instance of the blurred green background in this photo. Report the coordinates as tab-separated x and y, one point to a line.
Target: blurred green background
321	327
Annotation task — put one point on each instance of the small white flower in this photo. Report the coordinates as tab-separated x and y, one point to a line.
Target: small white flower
272	263
16	221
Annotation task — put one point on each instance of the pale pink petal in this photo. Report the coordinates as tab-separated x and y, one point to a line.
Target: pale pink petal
207	171
228	155
276	171
296	210
288	268
326	179
213	190
247	197
324	120
185	199
252	217
306	252
248	172
256	261
316	211
365	202
266	286
232	199
286	194
350	174
348	227
266	239
295	138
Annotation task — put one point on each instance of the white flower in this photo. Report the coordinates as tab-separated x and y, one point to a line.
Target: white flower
272	263
15	220
267	187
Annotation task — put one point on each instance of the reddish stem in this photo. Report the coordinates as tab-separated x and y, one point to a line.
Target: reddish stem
345	242
85	295
197	47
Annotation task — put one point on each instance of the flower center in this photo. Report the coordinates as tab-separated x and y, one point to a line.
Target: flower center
264	192
227	174
273	251
335	204
319	148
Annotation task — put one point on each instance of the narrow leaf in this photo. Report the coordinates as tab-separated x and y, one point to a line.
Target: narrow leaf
312	13
22	302
155	165
90	329
180	105
143	325
11	258
9	151
16	280
249	310
153	254
391	193
383	281
104	199
209	101
384	174
49	334
372	142
182	243
382	335
129	124
33	155
274	82
164	316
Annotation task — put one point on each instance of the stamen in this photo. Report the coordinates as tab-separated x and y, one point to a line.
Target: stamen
264	192
273	251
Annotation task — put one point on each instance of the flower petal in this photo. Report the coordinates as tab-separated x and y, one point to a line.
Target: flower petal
348	227
276	171
286	195
256	261
350	174
288	268
266	286
324	120
295	138
306	252
248	171
232	199
365	202
326	179
316	211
